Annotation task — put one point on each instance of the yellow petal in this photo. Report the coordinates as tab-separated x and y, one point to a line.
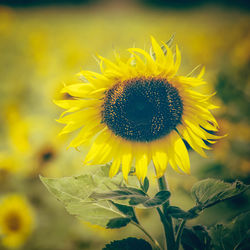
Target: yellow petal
110	66
100	149
114	168
160	57
139	61
75	105
141	162
160	158
190	81
79	90
201	73
180	152
177	61
196	129
84	114
150	61
126	160
169	61
71	126
86	134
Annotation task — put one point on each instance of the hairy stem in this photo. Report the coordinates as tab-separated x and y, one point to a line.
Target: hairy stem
179	233
167	221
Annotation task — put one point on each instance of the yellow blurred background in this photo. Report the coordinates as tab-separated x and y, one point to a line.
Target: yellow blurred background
43	44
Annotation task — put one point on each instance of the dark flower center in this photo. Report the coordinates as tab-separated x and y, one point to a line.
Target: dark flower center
47	154
142	109
13	221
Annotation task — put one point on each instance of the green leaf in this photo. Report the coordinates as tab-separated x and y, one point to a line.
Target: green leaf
235	235
134	201
208	192
96	213
126	210
74	192
195	238
145	185
240	231
70	188
113	195
128	244
133	190
218	232
159	199
203	235
122	194
118	222
178	213
135	197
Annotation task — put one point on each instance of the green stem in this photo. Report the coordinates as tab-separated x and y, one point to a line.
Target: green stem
167	222
179	233
154	241
163	186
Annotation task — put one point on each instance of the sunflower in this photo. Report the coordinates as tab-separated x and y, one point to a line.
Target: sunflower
8	166
16	220
137	111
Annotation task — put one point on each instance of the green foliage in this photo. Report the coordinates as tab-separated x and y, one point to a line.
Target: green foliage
235	235
196	238
209	192
135	201
178	213
145	185
128	244
134	195
126	210
118	222
75	193
159	199
121	194
107	202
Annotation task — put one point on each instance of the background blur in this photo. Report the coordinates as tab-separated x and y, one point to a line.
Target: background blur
45	43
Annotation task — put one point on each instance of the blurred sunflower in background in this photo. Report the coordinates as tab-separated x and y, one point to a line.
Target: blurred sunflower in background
8	166
140	110
16	220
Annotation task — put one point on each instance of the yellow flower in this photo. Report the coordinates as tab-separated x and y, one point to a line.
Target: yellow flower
8	166
138	110
16	220
18	129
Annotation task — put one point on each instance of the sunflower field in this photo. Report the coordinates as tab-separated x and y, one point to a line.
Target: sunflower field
124	124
